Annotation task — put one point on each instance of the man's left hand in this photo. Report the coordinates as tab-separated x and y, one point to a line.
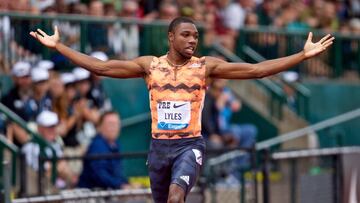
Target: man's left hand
312	49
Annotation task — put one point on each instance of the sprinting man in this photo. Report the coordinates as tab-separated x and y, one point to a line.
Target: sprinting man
177	84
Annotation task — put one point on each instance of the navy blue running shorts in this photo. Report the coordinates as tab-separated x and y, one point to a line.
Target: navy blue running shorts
176	161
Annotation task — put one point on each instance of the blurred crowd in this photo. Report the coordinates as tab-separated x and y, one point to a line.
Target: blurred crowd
71	112
222	20
330	15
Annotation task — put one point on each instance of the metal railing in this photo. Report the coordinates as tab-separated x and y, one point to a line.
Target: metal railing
207	189
7	169
35	137
267	159
271	43
5	144
312	175
267	144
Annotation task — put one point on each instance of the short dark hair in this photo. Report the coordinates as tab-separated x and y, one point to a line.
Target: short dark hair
174	23
106	113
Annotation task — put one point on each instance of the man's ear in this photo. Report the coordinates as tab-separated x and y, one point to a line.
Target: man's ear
171	36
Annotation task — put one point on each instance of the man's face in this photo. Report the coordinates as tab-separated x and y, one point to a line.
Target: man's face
110	127
83	87
49	133
56	87
23	82
41	87
184	39
96	8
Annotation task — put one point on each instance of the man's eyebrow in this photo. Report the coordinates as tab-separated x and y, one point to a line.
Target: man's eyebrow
189	31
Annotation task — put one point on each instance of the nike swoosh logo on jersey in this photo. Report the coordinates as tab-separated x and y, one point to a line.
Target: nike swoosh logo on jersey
177	106
195	65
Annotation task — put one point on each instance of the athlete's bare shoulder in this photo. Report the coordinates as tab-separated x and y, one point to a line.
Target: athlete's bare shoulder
144	62
211	62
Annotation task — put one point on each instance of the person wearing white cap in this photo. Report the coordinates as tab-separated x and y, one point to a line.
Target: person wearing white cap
63	92
83	85
41	99
17	99
47	65
69	81
289	78
100	55
47	123
21	92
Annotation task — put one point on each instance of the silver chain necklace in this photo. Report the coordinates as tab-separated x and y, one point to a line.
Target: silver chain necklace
175	65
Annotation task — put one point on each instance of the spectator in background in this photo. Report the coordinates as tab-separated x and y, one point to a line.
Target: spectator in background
97	94
89	113
97	32
225	34
73	121
47	123
47	65
244	134
17	100
22	46
5	30
19	95
210	120
267	12
83	87
105	173
124	38
191	8
328	18
41	5
40	99
167	11
73	114
60	102
235	14
4	5
288	78
150	6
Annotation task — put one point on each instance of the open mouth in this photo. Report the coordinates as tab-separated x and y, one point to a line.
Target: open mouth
190	50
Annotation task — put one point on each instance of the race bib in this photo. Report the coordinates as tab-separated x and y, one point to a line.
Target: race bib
173	115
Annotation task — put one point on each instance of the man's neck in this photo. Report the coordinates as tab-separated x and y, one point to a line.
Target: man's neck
176	58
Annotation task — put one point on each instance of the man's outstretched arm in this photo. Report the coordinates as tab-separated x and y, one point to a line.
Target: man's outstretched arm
111	68
221	69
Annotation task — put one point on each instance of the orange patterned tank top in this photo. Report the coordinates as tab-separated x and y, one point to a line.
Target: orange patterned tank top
176	98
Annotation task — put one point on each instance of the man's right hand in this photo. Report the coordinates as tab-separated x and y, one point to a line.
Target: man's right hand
49	41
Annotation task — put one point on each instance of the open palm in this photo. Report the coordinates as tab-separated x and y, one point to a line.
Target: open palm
49	41
312	49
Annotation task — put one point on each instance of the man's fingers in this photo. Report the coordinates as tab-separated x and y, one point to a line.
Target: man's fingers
329	40
42	32
33	34
310	36
327	44
56	30
324	38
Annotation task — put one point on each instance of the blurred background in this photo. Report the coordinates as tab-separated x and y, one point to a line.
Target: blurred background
292	137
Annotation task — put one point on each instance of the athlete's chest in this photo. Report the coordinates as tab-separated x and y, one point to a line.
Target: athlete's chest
190	73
